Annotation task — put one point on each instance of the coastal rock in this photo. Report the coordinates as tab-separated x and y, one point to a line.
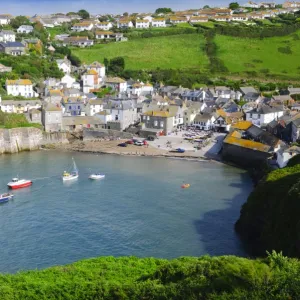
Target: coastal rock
27	139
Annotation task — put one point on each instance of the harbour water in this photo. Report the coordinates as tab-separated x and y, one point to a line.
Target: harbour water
138	209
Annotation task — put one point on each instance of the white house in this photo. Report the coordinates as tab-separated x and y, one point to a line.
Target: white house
284	155
125	24
116	83
94	106
198	19
104	25
64	65
19	107
5	19
158	22
204	121
178	20
104	116
99	68
7	36
239	17
149	18
90	81
264	114
142	24
25	29
68	81
78	27
103	35
251	4
20	87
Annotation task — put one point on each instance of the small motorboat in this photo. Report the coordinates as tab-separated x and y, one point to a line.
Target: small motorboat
97	176
185	186
17	183
6	197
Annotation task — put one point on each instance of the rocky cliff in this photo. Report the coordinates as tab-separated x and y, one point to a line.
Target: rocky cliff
27	139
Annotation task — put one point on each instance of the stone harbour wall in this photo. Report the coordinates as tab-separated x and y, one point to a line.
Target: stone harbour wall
27	139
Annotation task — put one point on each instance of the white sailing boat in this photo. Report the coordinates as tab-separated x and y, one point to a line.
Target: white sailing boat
68	176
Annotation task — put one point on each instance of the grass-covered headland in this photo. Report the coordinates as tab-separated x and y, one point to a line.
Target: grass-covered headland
228	277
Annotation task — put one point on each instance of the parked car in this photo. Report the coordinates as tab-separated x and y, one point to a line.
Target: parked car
180	150
139	143
122	145
145	142
130	142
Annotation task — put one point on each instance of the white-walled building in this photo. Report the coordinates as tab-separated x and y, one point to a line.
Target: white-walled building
7	36
264	115
78	27
20	87
25	29
99	68
104	25
239	17
64	65
284	155
90	81
5	19
125	24
68	80
142	24
94	106
116	83
158	22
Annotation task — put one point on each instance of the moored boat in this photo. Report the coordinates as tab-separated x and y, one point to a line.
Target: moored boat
17	183
5	197
96	176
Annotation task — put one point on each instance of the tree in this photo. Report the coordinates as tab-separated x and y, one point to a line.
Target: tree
106	63
206	6
125	14
18	21
75	61
234	5
117	65
163	10
83	14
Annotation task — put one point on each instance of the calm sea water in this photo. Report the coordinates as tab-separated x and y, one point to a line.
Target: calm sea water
138	209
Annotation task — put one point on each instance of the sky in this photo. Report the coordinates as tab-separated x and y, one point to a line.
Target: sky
31	7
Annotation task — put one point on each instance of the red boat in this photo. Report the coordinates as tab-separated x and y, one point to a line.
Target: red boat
17	183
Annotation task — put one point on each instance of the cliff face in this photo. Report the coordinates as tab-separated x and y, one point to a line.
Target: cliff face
270	219
27	139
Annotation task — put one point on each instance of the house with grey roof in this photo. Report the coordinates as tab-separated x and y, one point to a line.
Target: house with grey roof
7	36
285	154
204	121
12	48
52	117
247	89
79	123
25	29
264	114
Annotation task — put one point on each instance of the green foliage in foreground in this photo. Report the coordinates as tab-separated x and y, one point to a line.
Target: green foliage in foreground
270	218
225	277
9	121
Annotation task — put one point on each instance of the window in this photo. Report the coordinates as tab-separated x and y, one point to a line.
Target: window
148	118
116	118
70	107
162	124
155	123
78	107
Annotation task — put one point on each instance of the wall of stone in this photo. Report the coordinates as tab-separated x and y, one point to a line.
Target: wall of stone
89	135
27	139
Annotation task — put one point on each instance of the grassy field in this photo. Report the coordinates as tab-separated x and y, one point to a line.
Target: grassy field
176	52
262	56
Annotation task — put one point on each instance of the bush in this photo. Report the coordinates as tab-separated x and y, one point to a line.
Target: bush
285	50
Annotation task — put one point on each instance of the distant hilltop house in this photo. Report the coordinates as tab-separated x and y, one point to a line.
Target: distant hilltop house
4	69
20	87
7	36
178	20
12	48
158	22
5	19
104	25
80	41
142	24
198	19
79	27
125	24
25	29
291	4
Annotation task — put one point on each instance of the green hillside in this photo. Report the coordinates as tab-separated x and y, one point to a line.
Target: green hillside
270	218
260	55
175	52
132	278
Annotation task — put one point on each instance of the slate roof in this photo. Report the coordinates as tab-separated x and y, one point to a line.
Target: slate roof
248	89
12	44
262	136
